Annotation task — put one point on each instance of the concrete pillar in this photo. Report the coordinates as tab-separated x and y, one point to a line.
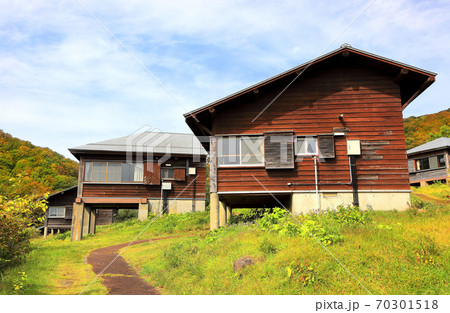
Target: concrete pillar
214	210
45	231
92	222
423	184
77	221
222	214
86	220
143	211
52	231
229	212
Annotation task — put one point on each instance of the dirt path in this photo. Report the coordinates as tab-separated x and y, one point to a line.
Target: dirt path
428	198
120	278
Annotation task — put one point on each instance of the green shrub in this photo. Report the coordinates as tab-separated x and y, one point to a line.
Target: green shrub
301	272
17	217
351	215
427	250
126	214
267	247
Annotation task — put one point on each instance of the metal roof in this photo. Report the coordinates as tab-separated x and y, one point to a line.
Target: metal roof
159	143
305	65
437	144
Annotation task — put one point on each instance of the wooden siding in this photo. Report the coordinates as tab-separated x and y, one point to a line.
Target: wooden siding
371	105
180	189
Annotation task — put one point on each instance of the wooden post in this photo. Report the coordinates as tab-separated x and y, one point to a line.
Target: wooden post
222	214
86	220
93	221
52	231
45	231
214	197
77	221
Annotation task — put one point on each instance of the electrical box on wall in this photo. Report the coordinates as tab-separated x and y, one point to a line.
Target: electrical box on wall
353	147
166	186
192	171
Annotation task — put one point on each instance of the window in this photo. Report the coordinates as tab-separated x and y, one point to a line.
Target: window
306	145
432	162
167	173
245	150
56	212
96	171
279	150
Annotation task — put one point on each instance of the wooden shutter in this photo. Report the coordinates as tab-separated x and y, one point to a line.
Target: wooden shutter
68	215
279	150
326	146
152	173
179	174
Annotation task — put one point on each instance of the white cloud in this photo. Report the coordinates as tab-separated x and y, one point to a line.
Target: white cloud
66	82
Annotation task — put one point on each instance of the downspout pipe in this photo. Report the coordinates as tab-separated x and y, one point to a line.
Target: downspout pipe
317	185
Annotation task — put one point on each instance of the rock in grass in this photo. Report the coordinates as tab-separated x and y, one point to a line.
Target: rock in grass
242	263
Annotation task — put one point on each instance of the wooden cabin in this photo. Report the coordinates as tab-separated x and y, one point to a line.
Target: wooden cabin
429	162
325	133
58	216
151	172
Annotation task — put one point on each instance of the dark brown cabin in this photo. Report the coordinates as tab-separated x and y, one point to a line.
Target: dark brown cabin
429	162
325	133
152	172
58	216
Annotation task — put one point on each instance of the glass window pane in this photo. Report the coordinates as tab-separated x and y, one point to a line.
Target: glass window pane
56	212
88	171
433	162
138	175
306	146
114	171
228	151
126	172
98	171
252	150
441	160
425	163
167	173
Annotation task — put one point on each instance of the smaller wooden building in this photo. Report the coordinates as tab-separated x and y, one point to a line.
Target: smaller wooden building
58	216
150	172
429	162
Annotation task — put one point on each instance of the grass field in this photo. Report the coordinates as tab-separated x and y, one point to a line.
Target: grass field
351	253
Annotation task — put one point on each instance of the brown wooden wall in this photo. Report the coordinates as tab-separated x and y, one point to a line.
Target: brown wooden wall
370	102
180	189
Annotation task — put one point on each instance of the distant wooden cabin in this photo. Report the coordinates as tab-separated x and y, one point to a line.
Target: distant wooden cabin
151	172
58	216
325	133
429	162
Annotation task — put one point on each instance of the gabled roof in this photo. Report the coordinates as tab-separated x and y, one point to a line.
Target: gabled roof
412	80
157	143
437	144
62	191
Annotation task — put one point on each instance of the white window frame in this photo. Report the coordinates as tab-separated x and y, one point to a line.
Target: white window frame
57	209
306	154
89	180
240	152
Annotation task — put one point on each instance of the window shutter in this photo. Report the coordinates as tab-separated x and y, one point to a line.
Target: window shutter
326	146
279	150
152	175
68	215
179	174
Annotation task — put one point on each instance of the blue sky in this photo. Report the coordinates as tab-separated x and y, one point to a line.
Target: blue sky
65	81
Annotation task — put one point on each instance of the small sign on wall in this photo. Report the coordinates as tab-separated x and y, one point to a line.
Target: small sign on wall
166	186
353	147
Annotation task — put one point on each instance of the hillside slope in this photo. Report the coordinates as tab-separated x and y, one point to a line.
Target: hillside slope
419	128
26	169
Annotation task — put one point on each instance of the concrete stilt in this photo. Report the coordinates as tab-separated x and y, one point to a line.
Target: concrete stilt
222	214
214	210
143	211
229	212
52	231
45	231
